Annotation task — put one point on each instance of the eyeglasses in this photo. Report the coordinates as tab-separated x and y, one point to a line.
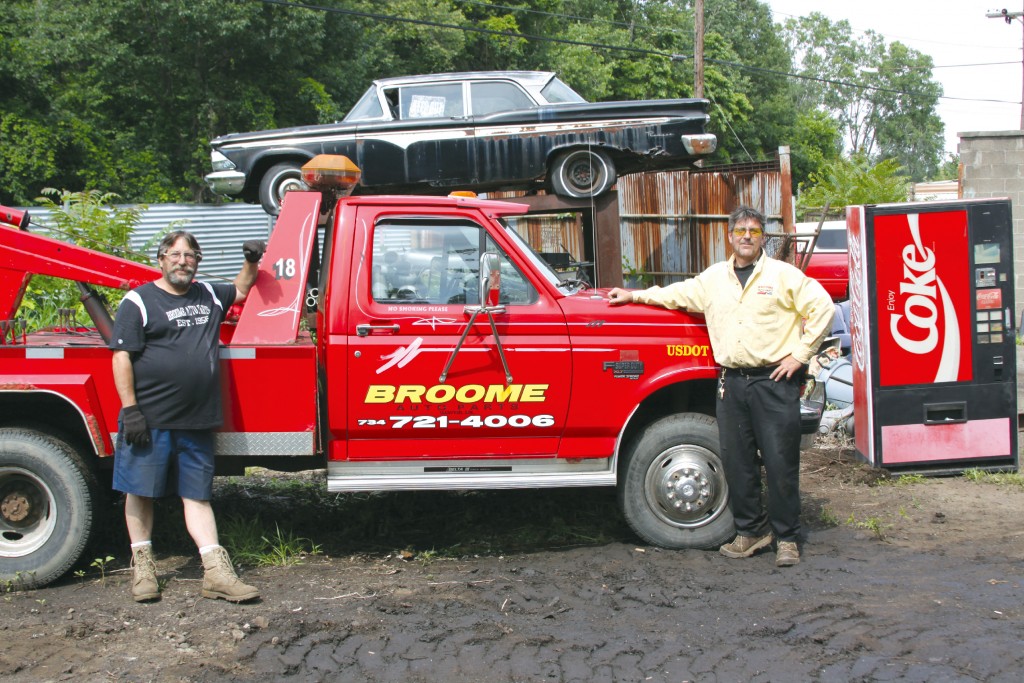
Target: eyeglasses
754	232
189	256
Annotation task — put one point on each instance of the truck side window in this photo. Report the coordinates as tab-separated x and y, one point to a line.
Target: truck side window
419	261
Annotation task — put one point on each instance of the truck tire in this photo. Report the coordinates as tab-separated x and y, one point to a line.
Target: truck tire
672	486
277	181
47	508
582	173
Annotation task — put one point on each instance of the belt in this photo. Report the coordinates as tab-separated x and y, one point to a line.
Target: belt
762	371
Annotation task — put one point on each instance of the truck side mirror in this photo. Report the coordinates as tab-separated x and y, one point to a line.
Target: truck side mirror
490	279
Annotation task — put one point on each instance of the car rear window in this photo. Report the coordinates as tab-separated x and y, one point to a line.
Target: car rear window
831	239
557	92
431	101
489	98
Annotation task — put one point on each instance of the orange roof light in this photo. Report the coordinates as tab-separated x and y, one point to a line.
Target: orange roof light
463	193
331	172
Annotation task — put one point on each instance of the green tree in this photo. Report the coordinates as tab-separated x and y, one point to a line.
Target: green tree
815	141
89	219
768	119
950	168
854	180
130	91
882	94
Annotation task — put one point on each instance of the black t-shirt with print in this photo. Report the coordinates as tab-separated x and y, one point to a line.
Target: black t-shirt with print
174	342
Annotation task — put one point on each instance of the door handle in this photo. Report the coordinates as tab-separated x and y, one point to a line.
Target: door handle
366	330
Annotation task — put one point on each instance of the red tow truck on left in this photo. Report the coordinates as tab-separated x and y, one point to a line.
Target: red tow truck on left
440	353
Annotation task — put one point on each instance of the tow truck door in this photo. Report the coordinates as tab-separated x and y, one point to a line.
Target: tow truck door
414	291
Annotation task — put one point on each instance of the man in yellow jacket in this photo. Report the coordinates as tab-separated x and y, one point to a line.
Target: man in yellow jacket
766	320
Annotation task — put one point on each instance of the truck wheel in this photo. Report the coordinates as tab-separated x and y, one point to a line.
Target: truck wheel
277	181
47	503
672	487
582	173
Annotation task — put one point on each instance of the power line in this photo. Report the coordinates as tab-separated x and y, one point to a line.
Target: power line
600	46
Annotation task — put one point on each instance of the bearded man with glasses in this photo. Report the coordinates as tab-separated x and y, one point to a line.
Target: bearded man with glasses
166	342
766	319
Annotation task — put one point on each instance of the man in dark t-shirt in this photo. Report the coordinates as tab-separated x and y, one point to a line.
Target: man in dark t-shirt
166	344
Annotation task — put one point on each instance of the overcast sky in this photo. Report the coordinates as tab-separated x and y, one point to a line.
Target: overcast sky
965	46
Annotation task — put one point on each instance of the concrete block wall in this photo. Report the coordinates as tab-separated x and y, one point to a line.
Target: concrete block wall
993	166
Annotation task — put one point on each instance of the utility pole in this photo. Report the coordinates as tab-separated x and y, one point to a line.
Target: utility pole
698	51
1009	16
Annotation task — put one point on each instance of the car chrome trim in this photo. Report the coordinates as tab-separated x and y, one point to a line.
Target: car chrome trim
226	182
482	473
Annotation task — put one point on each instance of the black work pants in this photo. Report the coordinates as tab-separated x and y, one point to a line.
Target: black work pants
756	413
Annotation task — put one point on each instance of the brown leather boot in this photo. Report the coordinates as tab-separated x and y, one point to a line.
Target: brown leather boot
220	580
145	586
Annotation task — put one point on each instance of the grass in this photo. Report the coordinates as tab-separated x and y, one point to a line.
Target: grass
828	517
904	480
873	524
248	543
1000	478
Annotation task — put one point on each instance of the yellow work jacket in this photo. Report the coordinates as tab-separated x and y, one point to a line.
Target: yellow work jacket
779	312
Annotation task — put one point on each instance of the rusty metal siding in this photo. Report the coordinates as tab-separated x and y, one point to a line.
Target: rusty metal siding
674	224
547	232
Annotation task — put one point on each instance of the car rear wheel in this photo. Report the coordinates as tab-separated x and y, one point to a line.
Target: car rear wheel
582	173
278	181
672	486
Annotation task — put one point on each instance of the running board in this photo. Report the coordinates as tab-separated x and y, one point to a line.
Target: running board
444	475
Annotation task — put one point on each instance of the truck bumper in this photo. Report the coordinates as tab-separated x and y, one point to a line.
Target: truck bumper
226	182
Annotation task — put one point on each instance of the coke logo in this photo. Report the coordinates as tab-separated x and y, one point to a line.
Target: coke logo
925	304
857	297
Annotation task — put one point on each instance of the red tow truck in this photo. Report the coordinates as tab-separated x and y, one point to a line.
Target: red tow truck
425	346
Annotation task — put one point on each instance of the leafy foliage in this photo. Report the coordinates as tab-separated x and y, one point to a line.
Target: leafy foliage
88	219
879	93
855	180
126	94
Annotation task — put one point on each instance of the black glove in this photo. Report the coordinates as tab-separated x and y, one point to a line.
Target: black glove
133	422
253	250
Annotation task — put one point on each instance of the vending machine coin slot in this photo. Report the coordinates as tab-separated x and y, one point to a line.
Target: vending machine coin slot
944	413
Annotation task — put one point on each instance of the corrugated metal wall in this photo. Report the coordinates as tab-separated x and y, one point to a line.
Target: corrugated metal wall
219	229
674	223
547	232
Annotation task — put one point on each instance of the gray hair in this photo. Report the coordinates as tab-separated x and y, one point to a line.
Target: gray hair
171	238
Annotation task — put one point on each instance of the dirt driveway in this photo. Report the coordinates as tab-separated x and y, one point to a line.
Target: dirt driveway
912	582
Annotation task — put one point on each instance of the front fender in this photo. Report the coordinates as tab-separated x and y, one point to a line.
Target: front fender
67	403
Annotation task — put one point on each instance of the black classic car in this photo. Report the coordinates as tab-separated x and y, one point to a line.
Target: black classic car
478	131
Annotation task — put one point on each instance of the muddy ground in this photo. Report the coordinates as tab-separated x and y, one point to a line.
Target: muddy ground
909	582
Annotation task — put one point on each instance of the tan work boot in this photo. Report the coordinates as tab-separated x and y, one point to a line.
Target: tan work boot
787	554
745	546
145	587
220	580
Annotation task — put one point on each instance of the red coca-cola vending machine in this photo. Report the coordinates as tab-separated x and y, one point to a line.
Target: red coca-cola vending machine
932	318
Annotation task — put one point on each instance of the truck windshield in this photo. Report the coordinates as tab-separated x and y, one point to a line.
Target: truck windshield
542	266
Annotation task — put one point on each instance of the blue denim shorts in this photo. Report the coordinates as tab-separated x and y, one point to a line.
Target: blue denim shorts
177	461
